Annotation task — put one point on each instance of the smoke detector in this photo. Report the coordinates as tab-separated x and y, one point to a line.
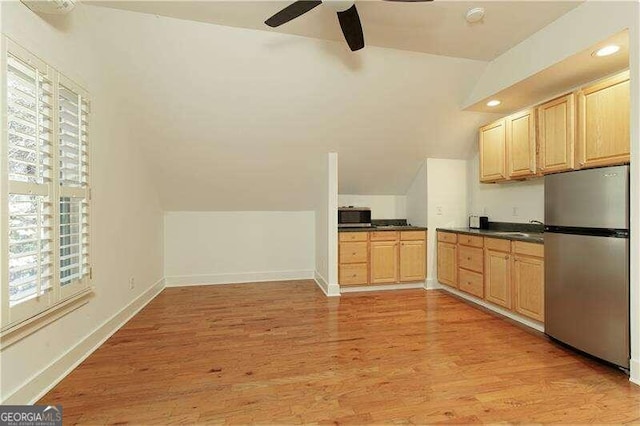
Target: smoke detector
474	15
51	7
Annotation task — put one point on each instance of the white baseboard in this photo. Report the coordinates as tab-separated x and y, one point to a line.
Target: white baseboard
328	289
45	380
363	288
237	278
523	320
432	284
634	371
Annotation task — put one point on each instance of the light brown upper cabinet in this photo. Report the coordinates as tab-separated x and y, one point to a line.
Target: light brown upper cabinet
556	124
492	152
603	122
521	144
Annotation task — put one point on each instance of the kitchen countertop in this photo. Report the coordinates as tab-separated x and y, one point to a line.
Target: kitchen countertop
527	236
383	228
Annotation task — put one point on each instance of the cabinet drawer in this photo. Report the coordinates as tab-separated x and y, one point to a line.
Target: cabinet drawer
497	244
412	235
353	252
353	274
447	237
352	236
471	282
528	249
383	236
470	240
470	258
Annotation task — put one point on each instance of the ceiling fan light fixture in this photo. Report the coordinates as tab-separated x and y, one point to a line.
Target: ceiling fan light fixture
338	5
606	50
493	103
475	14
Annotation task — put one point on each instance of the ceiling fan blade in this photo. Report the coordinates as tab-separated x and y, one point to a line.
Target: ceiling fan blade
291	12
352	28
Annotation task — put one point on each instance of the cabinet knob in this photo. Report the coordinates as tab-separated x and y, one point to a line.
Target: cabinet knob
506	257
353	254
353	276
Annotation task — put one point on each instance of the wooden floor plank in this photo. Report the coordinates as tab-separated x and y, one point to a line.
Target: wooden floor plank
284	353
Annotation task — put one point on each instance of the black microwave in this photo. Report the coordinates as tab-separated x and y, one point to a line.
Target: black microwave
354	217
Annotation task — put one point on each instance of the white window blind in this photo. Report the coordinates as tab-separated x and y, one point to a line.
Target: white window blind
46	171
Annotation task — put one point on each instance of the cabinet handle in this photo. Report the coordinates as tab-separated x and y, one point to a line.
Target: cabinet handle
353	254
468	258
506	257
353	276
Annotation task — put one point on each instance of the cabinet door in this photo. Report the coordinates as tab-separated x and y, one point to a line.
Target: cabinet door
556	134
528	282
447	264
413	260
603	122
521	144
492	152
497	278
384	262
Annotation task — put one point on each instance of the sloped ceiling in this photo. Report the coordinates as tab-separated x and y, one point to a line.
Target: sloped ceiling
235	119
435	27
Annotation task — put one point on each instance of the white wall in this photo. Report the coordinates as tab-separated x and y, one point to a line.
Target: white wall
382	206
417	198
326	272
126	215
226	247
517	202
447	207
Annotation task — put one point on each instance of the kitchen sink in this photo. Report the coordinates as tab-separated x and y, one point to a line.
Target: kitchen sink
518	234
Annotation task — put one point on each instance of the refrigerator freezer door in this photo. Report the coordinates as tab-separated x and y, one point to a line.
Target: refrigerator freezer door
595	198
587	294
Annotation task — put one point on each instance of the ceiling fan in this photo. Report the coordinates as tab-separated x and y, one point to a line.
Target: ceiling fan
347	16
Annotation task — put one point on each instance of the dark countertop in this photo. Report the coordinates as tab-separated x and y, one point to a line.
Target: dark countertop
530	237
383	228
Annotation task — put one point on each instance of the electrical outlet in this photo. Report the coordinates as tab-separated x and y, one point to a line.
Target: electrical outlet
515	211
439	210
132	283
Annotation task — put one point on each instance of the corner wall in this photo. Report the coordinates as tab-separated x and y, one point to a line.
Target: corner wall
126	214
326	214
447	206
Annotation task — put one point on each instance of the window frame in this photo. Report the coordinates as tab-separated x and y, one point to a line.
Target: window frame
24	318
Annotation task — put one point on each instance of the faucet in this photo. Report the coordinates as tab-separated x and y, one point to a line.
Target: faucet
536	221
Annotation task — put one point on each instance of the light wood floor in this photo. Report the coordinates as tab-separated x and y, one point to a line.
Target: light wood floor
283	353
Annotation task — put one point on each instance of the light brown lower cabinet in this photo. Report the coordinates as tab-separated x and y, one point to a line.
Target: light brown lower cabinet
384	261
447	264
497	277
528	284
412	265
511	276
382	257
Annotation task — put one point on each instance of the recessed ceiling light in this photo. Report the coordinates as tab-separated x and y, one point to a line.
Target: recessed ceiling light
493	102
475	15
607	50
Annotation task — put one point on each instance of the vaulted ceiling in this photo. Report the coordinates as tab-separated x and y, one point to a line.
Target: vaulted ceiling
236	118
435	27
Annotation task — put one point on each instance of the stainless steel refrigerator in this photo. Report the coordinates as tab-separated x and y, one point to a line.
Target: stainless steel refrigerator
586	245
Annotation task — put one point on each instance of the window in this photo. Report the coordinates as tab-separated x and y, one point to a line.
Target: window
45	190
